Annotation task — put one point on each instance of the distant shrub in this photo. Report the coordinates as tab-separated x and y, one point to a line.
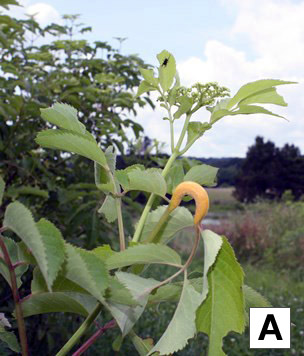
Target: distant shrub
270	232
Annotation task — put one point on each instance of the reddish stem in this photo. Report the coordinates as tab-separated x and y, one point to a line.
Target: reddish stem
111	324
19	313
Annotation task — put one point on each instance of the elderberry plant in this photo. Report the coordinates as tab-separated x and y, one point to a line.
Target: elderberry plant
73	280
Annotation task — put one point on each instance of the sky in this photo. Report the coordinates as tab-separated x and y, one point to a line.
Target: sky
232	42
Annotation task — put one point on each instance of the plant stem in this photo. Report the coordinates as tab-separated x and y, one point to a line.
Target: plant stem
185	266
111	324
80	331
151	200
165	171
183	133
154	232
19	313
122	241
172	135
117	192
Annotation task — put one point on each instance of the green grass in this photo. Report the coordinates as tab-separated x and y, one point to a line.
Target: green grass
222	200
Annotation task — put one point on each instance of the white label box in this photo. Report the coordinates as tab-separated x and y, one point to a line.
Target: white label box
269	328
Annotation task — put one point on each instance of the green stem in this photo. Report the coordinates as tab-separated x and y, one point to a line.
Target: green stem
189	144
151	200
18	307
122	241
184	130
172	136
80	331
165	171
154	232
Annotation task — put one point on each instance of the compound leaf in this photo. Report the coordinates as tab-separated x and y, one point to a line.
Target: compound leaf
147	253
167	69
12	249
144	87
72	142
108	209
64	116
266	96
253	88
54	302
87	270
42	246
202	174
182	325
9	338
179	219
149	76
127	316
149	180
223	309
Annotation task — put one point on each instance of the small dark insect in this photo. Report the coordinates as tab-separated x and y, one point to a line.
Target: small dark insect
165	62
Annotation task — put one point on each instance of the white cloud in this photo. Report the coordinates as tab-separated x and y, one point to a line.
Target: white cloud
44	13
275	32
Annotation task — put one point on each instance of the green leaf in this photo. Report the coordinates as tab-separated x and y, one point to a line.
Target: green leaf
54	302
87	270
149	180
12	249
182	326
223	309
102	179
266	96
139	288
5	3
196	129
147	253
175	176
111	155
253	88
2	186
72	142
103	252
202	174
27	190
108	208
142	346
9	338
166	70
54	246
4	321
212	246
144	87
173	90
171	292
149	76
185	105
253	299
179	219
42	239
118	293
242	110
64	116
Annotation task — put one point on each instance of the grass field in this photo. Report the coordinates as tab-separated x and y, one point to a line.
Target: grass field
221	195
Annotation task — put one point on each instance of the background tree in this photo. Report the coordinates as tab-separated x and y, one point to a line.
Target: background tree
268	172
38	67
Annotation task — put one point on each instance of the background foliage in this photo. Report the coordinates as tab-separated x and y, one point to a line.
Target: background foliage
97	80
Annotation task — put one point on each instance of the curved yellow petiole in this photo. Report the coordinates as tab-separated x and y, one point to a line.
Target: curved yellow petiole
193	189
197	192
